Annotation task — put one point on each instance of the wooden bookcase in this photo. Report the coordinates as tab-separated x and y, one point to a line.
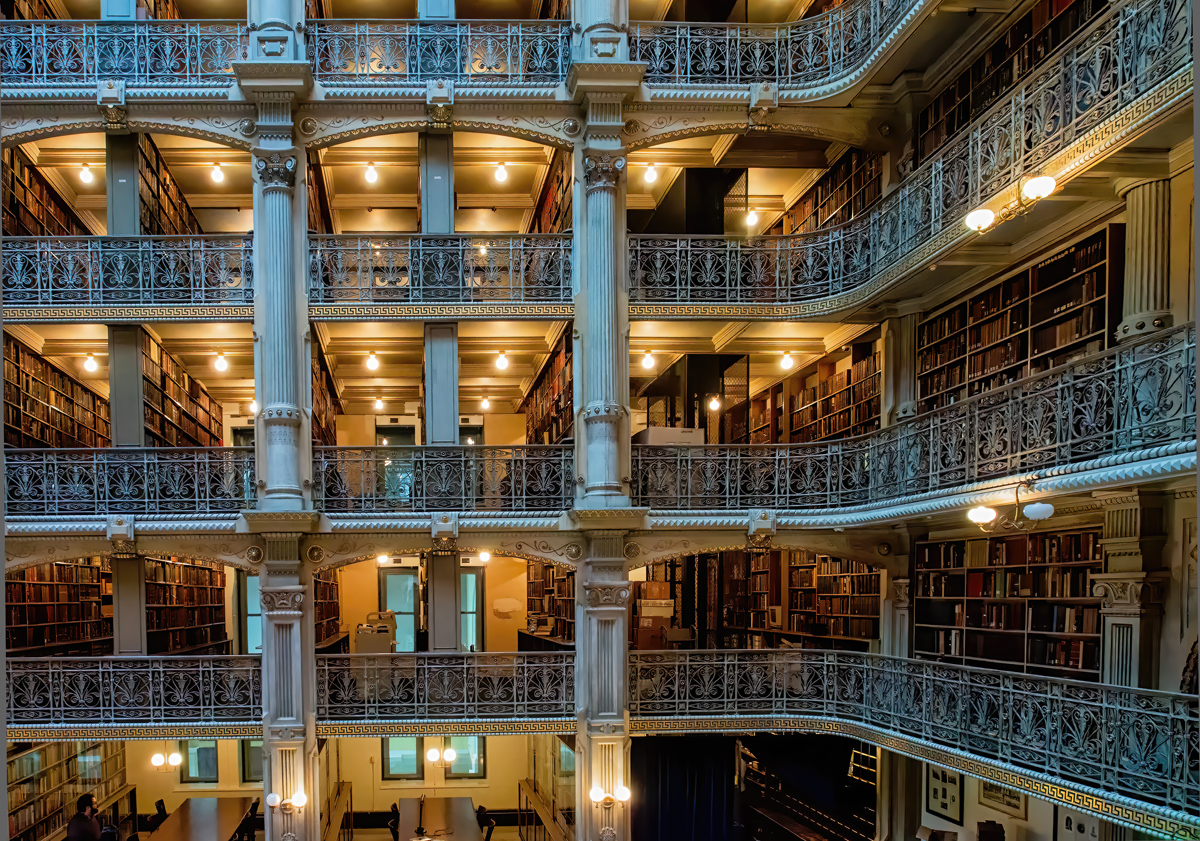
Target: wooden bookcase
327	610
32	207
63	608
178	409
850	186
320	215
46	407
27	10
550	604
763	588
165	211
1029	321
326	403
46	778
549	406
185	608
553	208
1022	602
1007	61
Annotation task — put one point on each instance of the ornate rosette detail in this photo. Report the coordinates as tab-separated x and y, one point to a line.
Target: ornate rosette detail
315	554
254	554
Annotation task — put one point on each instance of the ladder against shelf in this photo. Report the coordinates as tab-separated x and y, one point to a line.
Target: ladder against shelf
1022	601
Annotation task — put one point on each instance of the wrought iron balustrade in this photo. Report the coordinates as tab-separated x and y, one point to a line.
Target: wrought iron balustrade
143	54
424	687
811	52
200	481
1135	397
1137	743
172	690
1130	49
390	479
478	53
102	271
440	269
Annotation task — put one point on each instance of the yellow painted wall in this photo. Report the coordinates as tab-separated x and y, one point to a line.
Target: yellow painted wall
503	430
153	785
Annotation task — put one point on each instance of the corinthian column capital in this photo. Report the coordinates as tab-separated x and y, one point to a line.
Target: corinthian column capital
603	172
276	169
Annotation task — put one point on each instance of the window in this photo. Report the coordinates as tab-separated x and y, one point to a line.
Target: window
403	758
252	759
252	610
470	608
199	761
398	593
470	760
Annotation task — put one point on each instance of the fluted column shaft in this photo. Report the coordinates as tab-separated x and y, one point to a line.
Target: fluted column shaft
1147	295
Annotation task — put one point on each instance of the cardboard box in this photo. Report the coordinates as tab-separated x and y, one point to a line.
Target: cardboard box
654	590
655	607
662	436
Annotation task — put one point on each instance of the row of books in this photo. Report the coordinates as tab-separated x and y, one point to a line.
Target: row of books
941	353
1072	654
173	572
161	617
1054	336
854	605
849	585
943	379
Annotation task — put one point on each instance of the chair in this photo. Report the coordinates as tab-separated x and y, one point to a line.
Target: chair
160	815
249	824
481	817
491	827
394	823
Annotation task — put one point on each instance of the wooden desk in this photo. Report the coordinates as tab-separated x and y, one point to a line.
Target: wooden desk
444	817
205	819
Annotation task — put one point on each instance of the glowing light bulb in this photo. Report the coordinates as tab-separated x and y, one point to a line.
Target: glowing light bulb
786	363
432	754
622	793
299	800
485	403
85	174
372	361
597	794
714	404
90	364
221	363
981	515
378	404
651	174
254	407
502	361
372	176
157	760
174	760
217	174
470	441
1038	187
385	442
752	217
501	173
485	556
483	251
980	219
449	754
273	800
382	559
1038	511
648	360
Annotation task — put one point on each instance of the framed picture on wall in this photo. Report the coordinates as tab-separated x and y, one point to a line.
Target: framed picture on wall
944	794
1003	799
1070	825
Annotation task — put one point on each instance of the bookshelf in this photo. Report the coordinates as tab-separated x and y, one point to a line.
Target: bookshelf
326	403
762	588
553	213
1062	307
63	608
850	186
46	778
32	207
27	10
1022	602
550	603
327	610
164	211
46	407
185	608
549	406
178	409
1007	61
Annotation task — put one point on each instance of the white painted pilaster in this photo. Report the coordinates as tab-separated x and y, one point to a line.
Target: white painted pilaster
1147	294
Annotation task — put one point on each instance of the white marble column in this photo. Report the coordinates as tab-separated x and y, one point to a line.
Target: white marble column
1147	294
899	369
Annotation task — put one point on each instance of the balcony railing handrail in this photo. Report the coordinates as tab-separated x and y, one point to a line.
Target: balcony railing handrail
1130	742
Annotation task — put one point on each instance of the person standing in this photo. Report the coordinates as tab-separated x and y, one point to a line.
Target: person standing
84	826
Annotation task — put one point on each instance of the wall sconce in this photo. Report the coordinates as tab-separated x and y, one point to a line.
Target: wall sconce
441	759
602	798
166	763
990	520
296	804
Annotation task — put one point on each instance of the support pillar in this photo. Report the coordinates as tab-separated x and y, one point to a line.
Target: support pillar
127	420
445	627
129	604
897	797
1147	294
121	165
899	369
440	385
896	637
436	155
602	743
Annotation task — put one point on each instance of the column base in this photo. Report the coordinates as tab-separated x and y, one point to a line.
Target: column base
1134	326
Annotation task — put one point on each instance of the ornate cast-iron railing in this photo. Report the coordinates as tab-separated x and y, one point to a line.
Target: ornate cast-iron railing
143	54
423	687
103	271
77	691
478	53
1134	397
389	479
211	480
1132	742
1132	47
440	269
811	52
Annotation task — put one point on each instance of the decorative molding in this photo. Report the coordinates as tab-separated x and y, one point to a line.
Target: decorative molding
282	601
448	727
602	172
900	593
275	169
603	595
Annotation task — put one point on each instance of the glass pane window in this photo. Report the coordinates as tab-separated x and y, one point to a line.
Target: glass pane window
470	608
199	761
398	593
403	758
253	641
470	759
252	760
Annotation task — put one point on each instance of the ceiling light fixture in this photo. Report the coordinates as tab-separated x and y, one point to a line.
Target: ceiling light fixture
217	174
85	174
715	403
485	403
980	219
752	217
372	361
254	407
1038	187
501	173
221	363
786	363
383	560
648	360
651	174
502	360
90	364
379	404
484	557
372	176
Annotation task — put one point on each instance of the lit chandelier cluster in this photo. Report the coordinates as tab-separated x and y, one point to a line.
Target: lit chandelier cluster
1032	189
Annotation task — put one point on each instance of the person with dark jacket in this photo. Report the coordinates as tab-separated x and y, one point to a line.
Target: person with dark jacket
84	826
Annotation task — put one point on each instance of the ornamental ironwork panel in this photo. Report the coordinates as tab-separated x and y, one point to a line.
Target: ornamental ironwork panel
478	53
439	269
405	687
386	479
1131	398
210	480
72	691
1125	53
105	271
143	54
811	52
1137	743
